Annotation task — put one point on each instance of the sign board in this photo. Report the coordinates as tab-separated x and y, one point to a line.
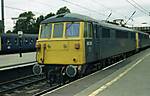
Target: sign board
20	33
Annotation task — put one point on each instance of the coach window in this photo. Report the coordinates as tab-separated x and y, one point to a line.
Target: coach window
88	30
58	30
26	40
72	29
31	40
8	42
46	30
105	33
16	41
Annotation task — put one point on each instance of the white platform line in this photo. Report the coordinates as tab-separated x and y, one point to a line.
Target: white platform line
82	78
113	64
102	88
17	66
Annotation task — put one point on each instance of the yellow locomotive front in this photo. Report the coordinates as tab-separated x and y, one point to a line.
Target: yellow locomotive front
61	43
61	46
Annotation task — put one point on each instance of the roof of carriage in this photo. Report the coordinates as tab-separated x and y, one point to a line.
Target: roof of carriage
74	17
69	17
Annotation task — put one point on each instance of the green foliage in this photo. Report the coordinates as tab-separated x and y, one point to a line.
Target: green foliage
37	24
25	25
63	10
8	32
30	25
49	15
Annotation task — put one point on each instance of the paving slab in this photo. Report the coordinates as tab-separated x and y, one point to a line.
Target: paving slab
15	59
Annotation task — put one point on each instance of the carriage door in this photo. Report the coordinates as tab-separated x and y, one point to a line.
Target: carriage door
96	41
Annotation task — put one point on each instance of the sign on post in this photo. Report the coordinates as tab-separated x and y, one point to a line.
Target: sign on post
20	33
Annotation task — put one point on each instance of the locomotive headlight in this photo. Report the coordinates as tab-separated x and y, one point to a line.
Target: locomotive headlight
71	70
77	46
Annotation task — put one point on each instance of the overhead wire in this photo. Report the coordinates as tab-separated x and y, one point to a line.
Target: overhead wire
75	4
19	9
85	8
110	9
42	3
140	6
14	8
137	7
78	5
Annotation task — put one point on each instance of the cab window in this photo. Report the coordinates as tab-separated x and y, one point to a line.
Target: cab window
58	30
88	30
46	31
72	29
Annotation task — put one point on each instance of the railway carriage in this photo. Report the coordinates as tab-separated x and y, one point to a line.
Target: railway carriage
143	39
72	44
10	43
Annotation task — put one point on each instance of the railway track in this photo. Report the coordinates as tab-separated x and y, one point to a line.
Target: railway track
11	86
58	86
33	85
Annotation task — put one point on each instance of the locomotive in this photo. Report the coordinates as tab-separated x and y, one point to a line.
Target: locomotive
72	44
9	43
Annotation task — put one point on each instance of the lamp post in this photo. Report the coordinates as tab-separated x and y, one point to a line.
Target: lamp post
2	16
20	34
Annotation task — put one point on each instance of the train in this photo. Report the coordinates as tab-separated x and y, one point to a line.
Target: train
73	44
11	43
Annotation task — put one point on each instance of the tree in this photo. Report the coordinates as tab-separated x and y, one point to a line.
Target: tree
49	15
25	25
63	10
31	25
8	32
37	24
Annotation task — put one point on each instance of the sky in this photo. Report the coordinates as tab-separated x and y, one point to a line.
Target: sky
97	9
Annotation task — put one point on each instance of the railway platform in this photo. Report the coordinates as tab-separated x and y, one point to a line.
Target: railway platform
130	77
14	60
